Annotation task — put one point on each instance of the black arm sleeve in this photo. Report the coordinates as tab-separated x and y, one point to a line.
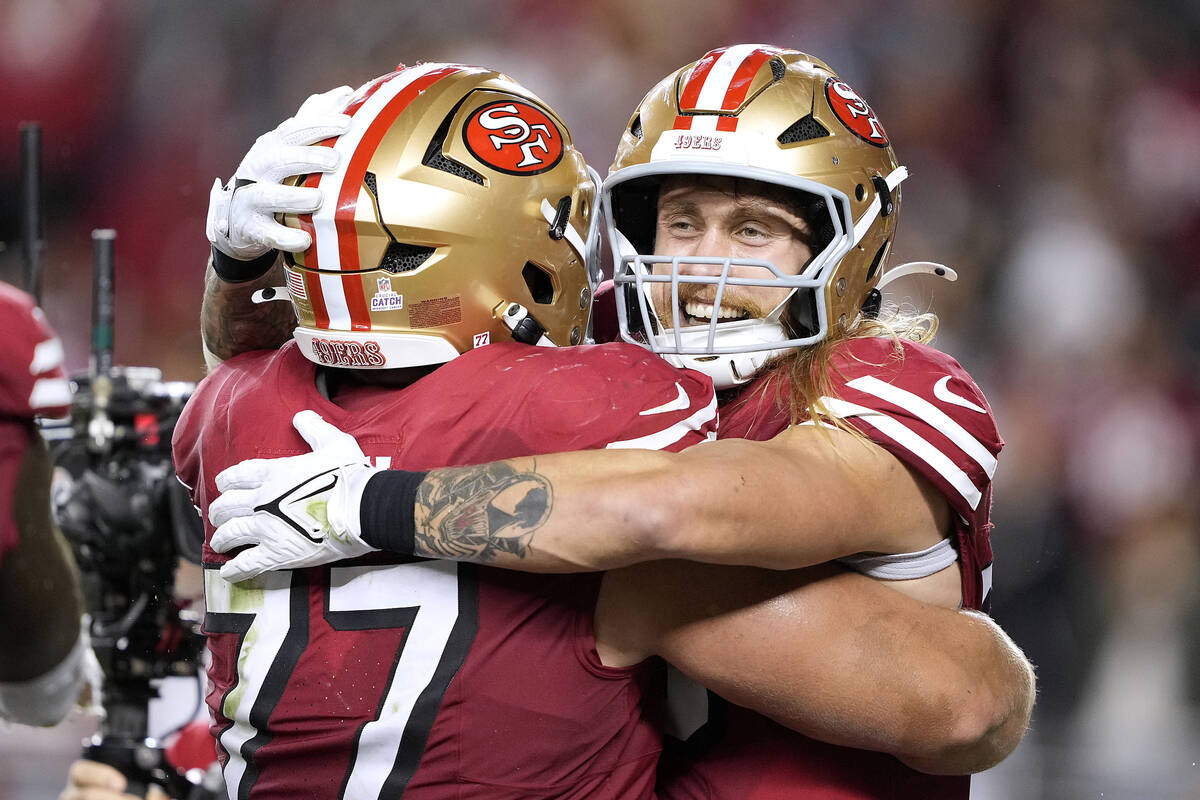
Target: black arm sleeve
386	513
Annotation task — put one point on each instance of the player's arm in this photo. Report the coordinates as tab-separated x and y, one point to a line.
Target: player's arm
231	323
246	236
805	497
40	602
834	655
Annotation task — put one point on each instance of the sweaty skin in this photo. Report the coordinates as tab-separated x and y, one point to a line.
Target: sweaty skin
232	323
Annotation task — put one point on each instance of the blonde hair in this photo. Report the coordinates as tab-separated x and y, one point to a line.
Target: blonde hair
808	371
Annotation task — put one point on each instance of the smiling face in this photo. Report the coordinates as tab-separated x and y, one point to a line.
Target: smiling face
724	217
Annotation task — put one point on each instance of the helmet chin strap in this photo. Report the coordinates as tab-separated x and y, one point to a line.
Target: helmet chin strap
524	327
726	371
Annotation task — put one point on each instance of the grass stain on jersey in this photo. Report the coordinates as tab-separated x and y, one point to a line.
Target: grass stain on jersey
233	700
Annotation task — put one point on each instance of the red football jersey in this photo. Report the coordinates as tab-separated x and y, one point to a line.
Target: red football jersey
921	406
429	679
32	383
31	361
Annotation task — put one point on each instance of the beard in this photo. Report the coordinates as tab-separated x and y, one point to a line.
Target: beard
700	294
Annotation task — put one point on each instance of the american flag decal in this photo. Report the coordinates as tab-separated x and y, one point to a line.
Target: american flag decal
295	284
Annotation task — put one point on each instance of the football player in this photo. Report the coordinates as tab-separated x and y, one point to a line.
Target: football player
41	653
751	207
382	241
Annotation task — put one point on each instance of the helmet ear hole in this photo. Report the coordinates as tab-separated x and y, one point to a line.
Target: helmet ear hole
541	285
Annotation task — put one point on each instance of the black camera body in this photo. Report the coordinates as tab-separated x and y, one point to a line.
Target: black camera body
129	520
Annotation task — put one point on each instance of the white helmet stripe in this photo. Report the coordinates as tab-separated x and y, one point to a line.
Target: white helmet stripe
716	84
334	294
326	239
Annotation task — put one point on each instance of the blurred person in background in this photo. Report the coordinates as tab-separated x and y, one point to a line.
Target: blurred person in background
41	652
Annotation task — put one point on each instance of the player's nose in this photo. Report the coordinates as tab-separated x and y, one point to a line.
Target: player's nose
715	246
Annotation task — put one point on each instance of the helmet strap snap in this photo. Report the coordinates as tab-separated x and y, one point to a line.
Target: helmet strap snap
870	306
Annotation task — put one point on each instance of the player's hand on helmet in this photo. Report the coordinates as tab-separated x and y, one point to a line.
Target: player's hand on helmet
293	512
241	214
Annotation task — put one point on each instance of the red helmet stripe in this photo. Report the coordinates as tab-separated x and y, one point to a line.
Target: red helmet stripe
313	282
731	72
735	95
696	78
356	170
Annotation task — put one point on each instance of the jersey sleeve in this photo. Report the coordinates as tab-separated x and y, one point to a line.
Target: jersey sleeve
32	380
921	406
525	400
198	416
927	411
625	397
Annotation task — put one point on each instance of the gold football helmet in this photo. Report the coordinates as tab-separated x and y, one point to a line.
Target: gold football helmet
770	115
460	214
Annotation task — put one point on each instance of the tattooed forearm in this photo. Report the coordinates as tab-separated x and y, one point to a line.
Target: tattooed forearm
232	323
479	513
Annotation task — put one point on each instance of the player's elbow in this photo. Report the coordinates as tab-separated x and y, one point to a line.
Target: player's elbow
667	518
979	727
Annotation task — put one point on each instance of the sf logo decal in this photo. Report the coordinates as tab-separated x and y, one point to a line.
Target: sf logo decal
514	137
853	112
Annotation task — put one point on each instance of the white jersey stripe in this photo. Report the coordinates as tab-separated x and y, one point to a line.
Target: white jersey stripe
911	441
50	392
928	412
47	355
669	436
325	236
270	590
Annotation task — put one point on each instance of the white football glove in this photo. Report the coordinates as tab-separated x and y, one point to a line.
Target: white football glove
241	214
296	511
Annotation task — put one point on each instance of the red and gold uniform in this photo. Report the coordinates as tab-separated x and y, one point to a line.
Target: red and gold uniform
429	679
920	405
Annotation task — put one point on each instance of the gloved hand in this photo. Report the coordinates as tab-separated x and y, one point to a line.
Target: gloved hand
241	214
297	511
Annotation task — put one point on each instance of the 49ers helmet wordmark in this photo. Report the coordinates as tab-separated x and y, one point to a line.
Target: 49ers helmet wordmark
461	213
764	114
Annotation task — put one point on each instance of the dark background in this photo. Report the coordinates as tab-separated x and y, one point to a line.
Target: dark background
1054	148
